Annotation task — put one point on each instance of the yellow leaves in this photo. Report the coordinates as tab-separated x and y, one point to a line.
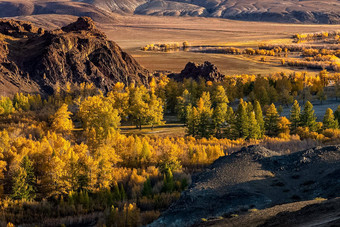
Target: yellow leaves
6	106
331	133
9	224
153	85
119	99
163	81
284	125
21	102
144	108
98	114
62	122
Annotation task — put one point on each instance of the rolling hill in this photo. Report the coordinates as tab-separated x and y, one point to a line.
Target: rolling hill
256	178
289	11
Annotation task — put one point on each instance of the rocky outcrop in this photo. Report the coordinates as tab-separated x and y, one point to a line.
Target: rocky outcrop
256	177
75	53
19	29
82	24
206	71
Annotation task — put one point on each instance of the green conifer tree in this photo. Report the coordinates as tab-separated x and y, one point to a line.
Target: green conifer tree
200	121
337	114
147	189
329	120
21	189
24	181
259	117
308	117
183	102
220	111
295	116
254	127
271	121
122	193
242	120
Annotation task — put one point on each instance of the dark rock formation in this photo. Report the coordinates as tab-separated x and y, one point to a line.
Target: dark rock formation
75	53
82	24
19	29
256	177
206	71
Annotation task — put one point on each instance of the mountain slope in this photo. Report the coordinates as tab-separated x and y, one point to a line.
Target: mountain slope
15	8
75	53
291	11
317	212
256	177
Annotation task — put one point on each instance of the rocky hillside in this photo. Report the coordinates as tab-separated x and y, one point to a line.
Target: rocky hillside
317	212
32	59
206	71
291	11
259	178
15	8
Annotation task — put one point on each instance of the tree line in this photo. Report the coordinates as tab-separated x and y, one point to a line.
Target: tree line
65	156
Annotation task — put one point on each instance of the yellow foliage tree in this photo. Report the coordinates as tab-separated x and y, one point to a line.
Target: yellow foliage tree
98	117
62	122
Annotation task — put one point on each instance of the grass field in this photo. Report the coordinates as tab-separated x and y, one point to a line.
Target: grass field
132	32
169	129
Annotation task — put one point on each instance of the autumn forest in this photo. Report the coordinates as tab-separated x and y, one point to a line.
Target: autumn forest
63	157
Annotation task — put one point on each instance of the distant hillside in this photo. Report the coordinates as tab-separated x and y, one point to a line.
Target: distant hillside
290	11
35	60
15	8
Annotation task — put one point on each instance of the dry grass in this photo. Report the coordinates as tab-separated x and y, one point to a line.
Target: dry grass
171	130
132	32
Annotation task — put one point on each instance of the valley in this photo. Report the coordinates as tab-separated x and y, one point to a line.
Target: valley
134	32
169	113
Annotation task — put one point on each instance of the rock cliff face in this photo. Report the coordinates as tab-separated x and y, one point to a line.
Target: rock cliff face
206	71
32	59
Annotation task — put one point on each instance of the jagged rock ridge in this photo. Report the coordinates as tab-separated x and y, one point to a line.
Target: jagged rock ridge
206	71
75	53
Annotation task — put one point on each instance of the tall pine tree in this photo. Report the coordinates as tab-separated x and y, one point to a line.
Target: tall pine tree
295	116
23	181
259	117
220	104
242	120
337	114
183	102
308	117
200	123
271	121
254	127
329	120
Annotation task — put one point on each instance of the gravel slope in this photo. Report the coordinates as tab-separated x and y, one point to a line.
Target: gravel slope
259	178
